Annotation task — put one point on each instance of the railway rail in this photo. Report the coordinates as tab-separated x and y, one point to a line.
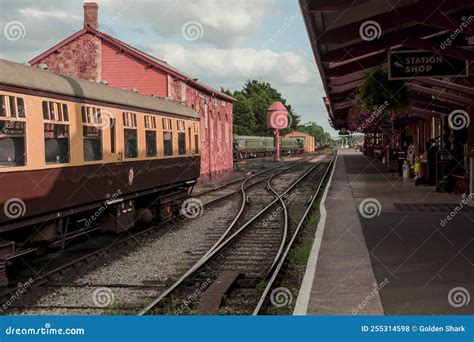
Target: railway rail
257	248
210	197
44	278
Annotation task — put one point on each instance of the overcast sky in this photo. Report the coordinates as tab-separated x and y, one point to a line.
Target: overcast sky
221	42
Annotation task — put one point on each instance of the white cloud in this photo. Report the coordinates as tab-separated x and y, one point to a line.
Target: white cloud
228	65
45	24
41	14
293	74
224	22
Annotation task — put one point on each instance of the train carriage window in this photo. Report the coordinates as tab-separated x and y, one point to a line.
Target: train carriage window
130	134
3	106
112	135
150	136
20	104
12	143
45	106
65	112
131	143
56	143
168	143
92	142
190	137
196	138
167	137
56	133
12	131
83	114
181	137
52	111
13	108
92	133
181	143
151	150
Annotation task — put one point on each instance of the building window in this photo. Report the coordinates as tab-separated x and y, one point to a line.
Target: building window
130	134
181	137
219	128
211	128
92	134
56	133
226	129
12	131
167	137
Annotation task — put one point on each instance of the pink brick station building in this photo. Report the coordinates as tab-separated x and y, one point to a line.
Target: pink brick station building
94	55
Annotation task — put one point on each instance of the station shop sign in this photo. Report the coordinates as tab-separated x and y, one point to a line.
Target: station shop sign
414	64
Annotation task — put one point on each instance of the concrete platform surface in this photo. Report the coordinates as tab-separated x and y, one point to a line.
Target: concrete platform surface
384	246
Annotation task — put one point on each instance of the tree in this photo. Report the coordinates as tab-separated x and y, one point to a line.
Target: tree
250	112
313	129
244	118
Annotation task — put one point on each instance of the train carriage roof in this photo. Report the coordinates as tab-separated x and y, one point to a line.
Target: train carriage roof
27	77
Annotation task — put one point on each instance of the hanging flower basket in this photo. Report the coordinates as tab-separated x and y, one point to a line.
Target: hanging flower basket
379	101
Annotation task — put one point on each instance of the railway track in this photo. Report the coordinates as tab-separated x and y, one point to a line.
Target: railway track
223	191
45	278
249	253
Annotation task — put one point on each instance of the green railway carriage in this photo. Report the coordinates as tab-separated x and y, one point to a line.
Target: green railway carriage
255	146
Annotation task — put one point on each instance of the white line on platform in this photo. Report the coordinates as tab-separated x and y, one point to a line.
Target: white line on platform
302	302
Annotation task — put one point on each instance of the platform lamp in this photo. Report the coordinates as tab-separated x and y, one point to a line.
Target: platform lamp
277	118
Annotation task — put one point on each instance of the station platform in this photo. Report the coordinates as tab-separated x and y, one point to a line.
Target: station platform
386	246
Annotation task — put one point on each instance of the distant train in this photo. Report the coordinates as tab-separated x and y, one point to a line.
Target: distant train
254	146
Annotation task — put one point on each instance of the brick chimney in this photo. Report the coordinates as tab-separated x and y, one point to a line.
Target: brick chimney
91	15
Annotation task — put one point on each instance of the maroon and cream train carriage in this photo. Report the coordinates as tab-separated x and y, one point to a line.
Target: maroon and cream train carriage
75	154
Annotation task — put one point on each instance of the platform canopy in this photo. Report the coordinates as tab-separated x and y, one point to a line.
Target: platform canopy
350	37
